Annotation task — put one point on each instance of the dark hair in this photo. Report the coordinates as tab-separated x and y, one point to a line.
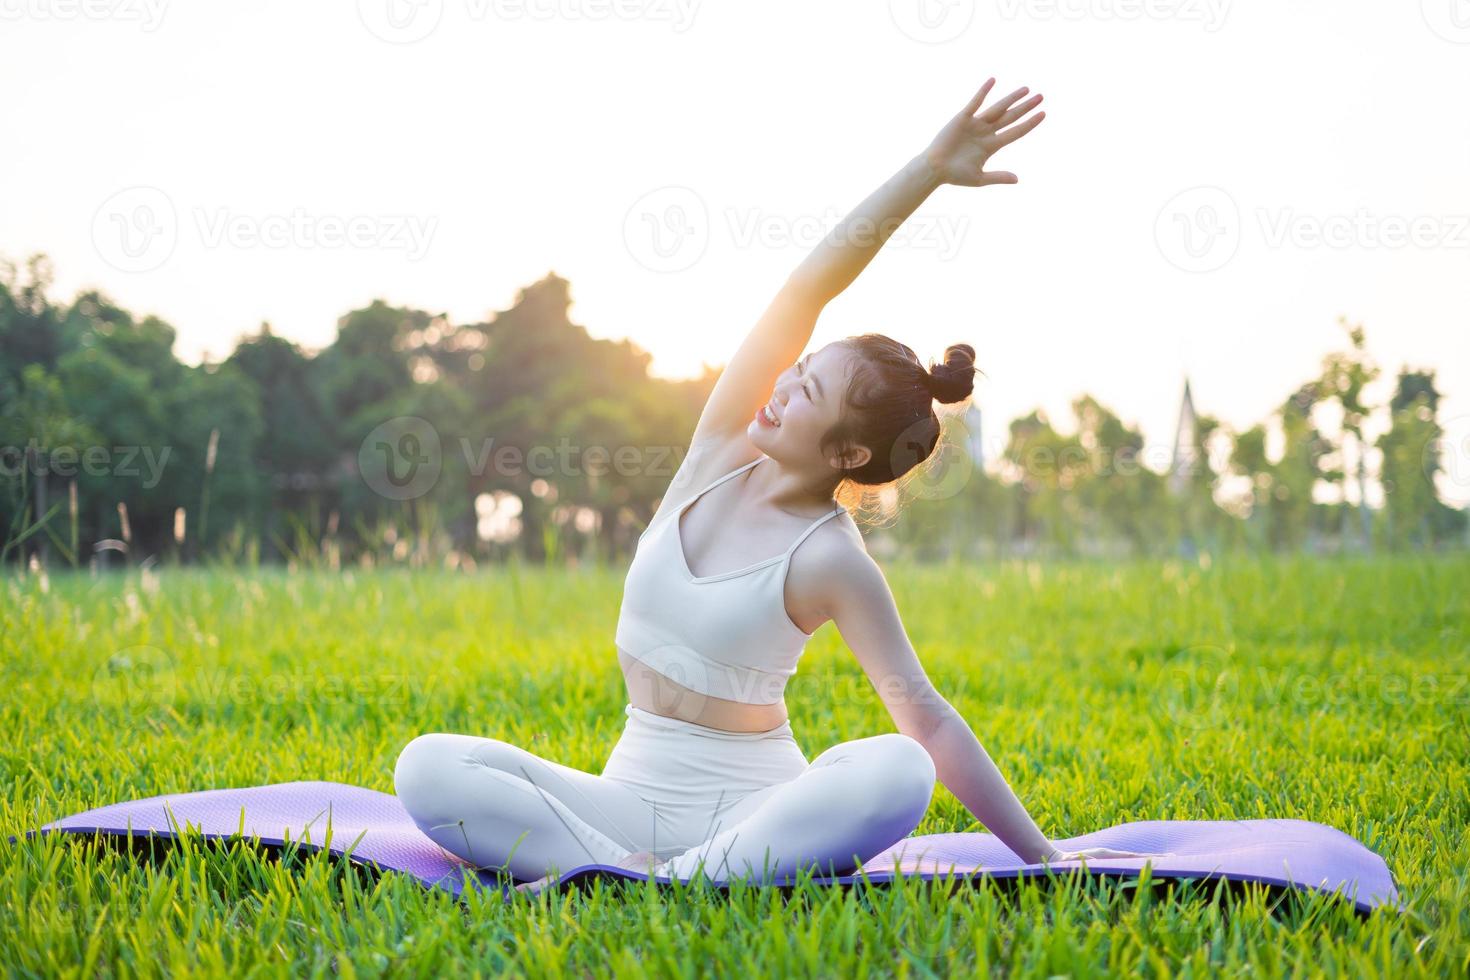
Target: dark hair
888	405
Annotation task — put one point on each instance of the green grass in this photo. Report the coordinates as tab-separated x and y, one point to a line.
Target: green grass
1327	690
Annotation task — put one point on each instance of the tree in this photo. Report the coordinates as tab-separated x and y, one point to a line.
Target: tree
42	435
1412	461
1293	508
1117	492
1345	375
1248	459
277	445
30	331
1044	465
297	448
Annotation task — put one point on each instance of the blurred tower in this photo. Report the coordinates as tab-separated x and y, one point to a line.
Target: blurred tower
1187	451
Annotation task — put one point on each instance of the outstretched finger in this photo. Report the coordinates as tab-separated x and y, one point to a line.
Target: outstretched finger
1018	111
999	108
979	98
1009	136
996	177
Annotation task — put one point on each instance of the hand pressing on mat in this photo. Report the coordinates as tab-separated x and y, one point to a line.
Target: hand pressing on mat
643	862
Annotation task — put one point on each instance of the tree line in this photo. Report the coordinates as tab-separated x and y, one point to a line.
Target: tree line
414	439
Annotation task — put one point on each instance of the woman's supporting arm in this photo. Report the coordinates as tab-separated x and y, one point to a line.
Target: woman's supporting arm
853	591
858	598
963	765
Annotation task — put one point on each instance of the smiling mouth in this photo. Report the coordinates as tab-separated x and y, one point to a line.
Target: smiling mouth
769	417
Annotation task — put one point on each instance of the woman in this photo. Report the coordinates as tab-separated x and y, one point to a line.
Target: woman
726	586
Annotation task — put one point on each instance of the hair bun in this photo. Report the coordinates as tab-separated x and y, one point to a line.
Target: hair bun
954	380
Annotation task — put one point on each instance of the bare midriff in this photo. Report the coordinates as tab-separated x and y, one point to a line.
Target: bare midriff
655	693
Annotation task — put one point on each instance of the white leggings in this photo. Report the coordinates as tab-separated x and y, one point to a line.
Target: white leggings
730	804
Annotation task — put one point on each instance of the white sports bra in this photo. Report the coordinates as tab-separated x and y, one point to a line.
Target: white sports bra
728	635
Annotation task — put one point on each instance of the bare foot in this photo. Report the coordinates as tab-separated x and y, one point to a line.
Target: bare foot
644	862
532	887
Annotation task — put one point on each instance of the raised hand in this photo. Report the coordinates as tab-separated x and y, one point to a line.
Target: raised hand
959	153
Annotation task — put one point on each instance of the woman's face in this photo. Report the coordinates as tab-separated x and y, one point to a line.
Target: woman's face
806	403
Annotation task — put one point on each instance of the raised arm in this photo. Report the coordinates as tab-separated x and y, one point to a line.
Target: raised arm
957	155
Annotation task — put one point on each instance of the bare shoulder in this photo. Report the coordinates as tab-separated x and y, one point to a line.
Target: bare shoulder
708	459
831	563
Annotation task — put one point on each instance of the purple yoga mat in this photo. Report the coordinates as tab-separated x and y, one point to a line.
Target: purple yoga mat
372	828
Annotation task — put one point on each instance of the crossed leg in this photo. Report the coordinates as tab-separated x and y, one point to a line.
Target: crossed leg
496	805
855	800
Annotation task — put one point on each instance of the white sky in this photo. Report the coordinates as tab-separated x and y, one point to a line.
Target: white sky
521	136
